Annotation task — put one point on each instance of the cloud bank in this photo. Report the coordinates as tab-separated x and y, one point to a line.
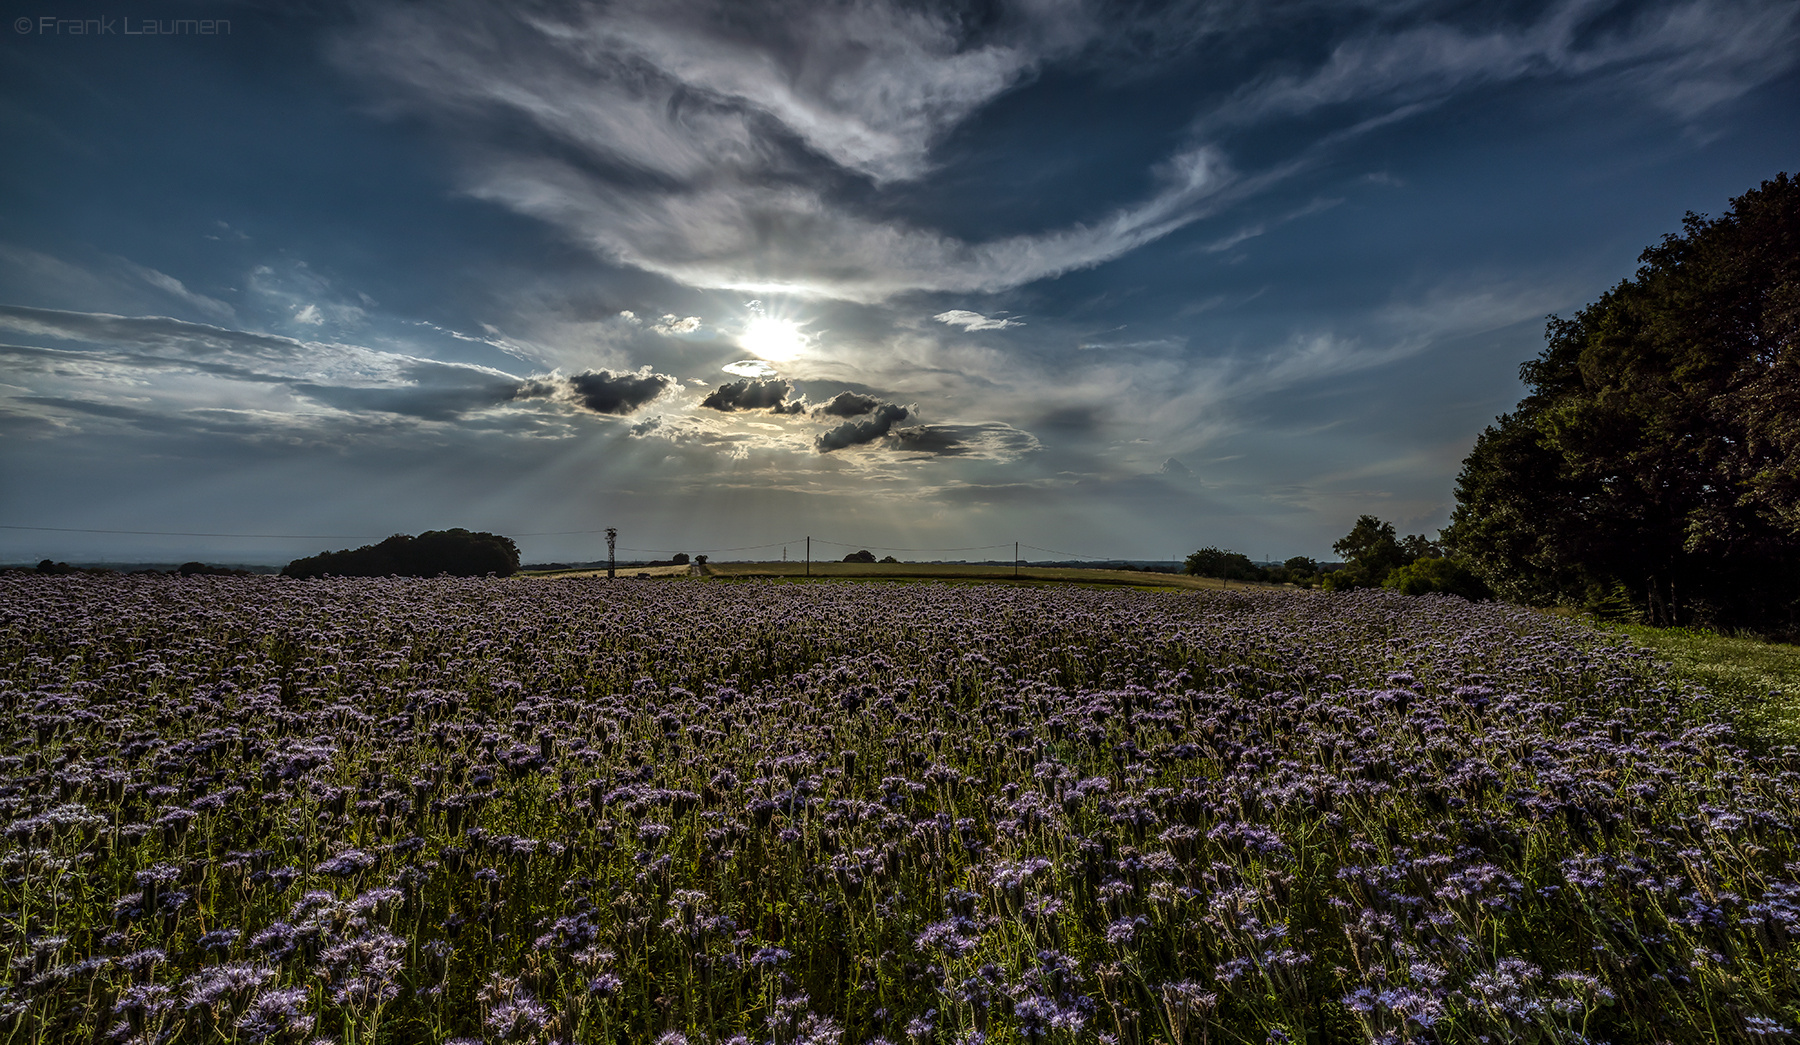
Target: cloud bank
725	144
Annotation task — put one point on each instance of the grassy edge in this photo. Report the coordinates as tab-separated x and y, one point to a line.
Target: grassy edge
1753	683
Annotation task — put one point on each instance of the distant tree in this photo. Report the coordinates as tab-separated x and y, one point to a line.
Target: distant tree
889	558
679	559
57	568
192	569
1372	550
700	560
1217	562
862	556
1657	451
1297	570
458	552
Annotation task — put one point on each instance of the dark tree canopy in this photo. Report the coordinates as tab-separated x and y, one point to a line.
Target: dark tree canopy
862	556
1657	453
1217	562
458	553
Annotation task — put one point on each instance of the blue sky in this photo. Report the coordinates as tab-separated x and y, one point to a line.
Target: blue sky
1120	280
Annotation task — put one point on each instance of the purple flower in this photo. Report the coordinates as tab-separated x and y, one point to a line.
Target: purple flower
519	1017
277	1014
222	986
346	863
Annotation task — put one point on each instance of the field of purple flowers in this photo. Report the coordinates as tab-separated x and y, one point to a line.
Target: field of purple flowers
256	810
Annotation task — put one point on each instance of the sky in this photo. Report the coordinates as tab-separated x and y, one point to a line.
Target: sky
1109	280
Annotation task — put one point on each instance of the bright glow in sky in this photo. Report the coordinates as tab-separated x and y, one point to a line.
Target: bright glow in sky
777	340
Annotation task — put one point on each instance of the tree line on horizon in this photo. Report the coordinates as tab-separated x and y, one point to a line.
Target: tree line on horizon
457	552
1652	471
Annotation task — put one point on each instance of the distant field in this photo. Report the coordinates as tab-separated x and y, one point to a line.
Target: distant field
622	571
963	571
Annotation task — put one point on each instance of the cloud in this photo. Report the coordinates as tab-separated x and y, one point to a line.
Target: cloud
1687	57
725	144
306	297
700	141
993	440
847	404
175	288
751	394
974	320
605	392
671	327
750	368
344	377
857	433
428	390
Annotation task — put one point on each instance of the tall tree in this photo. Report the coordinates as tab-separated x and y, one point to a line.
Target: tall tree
1658	449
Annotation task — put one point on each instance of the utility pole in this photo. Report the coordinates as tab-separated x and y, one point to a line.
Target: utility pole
1015	560
612	538
809	556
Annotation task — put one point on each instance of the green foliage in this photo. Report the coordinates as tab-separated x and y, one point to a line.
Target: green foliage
1372	550
1442	576
1216	562
862	556
457	552
1659	447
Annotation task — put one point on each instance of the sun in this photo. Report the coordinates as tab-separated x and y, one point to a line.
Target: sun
778	340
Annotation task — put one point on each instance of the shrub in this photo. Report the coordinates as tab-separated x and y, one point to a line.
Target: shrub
1444	576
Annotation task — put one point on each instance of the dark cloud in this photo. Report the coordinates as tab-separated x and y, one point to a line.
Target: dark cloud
857	433
750	394
993	440
847	404
941	440
605	392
